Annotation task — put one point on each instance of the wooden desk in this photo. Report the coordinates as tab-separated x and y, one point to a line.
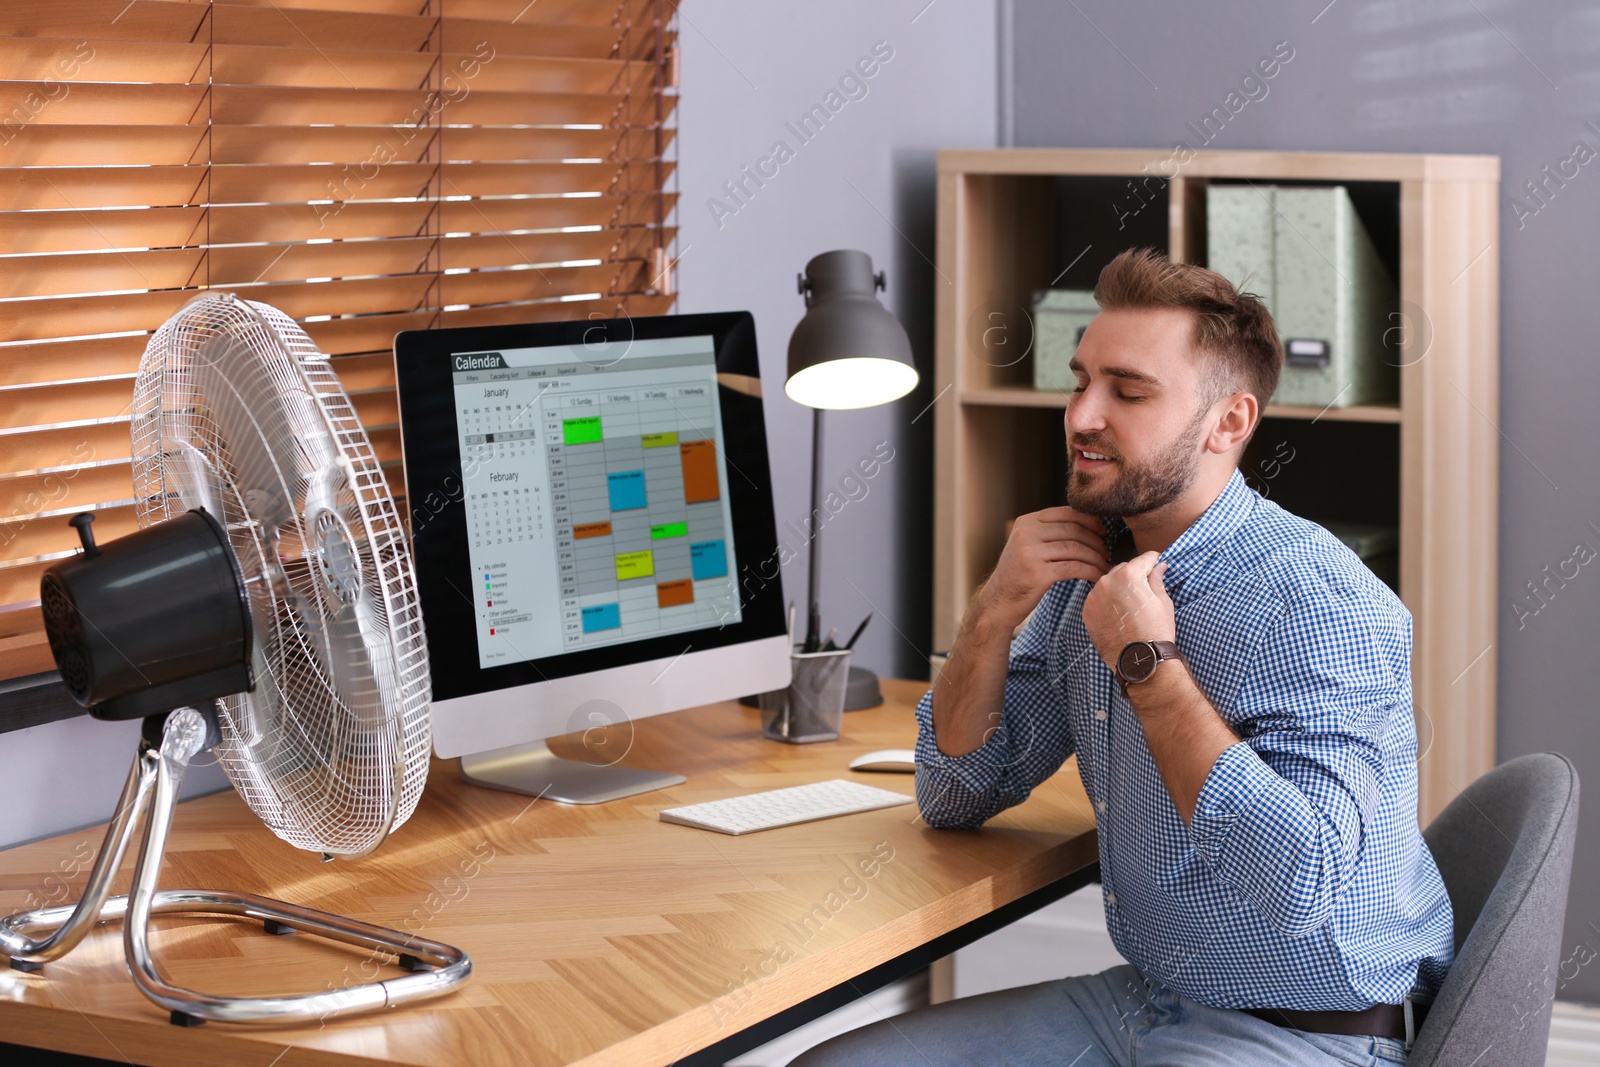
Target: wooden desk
600	934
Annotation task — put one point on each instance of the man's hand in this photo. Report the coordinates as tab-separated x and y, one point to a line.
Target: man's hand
1129	604
1045	547
1185	734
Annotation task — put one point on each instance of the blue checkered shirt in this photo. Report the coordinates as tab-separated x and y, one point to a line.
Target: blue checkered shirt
1303	880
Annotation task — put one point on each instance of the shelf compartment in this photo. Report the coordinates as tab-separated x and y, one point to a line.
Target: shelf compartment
1024	233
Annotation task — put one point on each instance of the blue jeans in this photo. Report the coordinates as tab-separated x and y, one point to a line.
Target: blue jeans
1111	1019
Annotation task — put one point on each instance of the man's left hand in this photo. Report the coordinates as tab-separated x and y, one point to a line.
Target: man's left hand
1129	604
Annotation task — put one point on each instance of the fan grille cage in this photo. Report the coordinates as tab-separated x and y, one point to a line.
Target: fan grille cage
235	410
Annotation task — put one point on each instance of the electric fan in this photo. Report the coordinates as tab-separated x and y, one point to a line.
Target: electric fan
266	609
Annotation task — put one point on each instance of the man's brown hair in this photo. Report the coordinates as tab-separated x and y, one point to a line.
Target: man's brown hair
1233	331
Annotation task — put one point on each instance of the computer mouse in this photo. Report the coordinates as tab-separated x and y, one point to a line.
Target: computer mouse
889	759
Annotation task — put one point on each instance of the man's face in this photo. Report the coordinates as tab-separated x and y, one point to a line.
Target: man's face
1137	405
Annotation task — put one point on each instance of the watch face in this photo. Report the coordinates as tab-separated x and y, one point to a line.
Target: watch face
1137	662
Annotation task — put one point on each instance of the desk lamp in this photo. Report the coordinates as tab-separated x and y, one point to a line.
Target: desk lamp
847	352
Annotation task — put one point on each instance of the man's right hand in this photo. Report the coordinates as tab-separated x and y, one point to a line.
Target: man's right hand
1045	547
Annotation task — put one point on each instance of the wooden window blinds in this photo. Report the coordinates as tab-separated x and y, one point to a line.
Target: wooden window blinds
367	166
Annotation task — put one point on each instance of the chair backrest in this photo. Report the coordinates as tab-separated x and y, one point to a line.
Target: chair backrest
1504	848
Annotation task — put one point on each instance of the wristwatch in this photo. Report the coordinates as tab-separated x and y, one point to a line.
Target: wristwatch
1139	660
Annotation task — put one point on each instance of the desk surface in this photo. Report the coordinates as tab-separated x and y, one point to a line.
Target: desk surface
599	934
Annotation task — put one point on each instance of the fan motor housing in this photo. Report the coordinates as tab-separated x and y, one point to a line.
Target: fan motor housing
153	621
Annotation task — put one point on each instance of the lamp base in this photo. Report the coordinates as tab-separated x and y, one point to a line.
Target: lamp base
861	691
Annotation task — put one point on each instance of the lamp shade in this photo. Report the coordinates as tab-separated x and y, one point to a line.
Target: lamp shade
848	351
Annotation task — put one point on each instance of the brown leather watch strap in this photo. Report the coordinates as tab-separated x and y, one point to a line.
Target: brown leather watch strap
1166	650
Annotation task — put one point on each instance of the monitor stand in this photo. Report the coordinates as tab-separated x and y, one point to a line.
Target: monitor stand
535	771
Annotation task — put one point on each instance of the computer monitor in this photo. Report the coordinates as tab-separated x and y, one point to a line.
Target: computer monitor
593	536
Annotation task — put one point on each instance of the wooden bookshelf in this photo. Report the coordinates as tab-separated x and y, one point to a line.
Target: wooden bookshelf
1012	221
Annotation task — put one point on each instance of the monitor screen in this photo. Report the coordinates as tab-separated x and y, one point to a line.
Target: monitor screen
594	490
585	496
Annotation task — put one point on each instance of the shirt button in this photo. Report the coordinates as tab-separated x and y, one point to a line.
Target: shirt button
1100	714
1100	806
1111	898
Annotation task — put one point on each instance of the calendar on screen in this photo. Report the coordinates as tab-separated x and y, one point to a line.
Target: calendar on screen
594	480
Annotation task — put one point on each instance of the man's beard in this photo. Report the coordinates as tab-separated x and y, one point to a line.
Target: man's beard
1136	489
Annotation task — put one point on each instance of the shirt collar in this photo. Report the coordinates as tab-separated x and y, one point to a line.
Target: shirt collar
1193	559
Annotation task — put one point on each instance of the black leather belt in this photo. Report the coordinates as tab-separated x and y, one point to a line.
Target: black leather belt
1380	1020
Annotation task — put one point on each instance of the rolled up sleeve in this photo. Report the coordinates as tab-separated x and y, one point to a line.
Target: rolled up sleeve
1283	814
1031	743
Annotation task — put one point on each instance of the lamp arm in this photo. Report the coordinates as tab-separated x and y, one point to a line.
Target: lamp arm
813	612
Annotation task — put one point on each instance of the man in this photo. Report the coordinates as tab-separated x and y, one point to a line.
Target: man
1238	694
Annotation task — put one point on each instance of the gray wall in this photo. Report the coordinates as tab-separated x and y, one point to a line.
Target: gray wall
866	181
1518	81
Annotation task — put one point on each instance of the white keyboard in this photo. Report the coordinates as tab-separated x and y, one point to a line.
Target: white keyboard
783	807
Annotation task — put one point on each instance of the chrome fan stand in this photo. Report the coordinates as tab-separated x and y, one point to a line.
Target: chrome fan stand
152	787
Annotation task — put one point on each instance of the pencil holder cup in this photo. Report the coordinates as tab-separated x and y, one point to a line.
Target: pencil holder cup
812	707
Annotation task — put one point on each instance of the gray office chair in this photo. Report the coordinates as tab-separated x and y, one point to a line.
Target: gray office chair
1504	847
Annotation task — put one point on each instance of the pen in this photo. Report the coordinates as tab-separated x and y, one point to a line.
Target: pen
852	642
827	642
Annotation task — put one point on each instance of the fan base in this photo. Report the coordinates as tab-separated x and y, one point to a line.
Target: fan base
151	795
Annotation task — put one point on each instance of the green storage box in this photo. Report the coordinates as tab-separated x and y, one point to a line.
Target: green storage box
1306	254
1059	319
